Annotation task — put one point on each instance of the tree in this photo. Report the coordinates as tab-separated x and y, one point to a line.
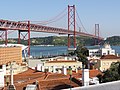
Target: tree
113	73
99	76
82	53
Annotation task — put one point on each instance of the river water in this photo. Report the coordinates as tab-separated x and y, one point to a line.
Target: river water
39	51
48	50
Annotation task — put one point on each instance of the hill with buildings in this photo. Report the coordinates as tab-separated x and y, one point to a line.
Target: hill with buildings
114	40
62	40
53	40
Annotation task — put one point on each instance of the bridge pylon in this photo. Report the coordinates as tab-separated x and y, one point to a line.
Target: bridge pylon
97	40
71	25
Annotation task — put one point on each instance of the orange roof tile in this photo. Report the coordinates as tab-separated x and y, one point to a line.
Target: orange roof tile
61	61
92	73
110	57
47	80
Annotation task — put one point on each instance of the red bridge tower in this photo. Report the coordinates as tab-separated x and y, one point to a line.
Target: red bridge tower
71	24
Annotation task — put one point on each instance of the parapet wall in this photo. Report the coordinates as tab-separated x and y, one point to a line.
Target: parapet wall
106	86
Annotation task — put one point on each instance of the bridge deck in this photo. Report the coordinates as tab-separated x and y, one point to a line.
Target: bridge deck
12	25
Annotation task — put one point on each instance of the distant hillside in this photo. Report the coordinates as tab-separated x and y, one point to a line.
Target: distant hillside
62	41
54	40
114	40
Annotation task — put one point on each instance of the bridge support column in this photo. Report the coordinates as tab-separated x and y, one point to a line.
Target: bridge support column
3	36
29	38
25	36
18	36
97	41
68	40
74	27
6	40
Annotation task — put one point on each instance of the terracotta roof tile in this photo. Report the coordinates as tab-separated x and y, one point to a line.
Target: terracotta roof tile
47	80
61	61
92	73
110	57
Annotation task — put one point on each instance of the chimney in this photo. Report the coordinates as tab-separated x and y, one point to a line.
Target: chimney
39	67
85	77
76	70
54	69
117	55
49	68
43	68
1	78
4	69
64	70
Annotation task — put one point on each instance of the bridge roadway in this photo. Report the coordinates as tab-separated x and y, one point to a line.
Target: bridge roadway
12	25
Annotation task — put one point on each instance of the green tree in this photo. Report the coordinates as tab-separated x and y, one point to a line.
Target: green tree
100	77
113	73
82	53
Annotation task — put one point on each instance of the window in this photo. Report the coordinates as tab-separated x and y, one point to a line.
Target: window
0	66
104	53
107	63
103	63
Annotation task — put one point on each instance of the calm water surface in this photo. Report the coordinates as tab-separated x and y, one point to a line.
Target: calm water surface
55	50
48	50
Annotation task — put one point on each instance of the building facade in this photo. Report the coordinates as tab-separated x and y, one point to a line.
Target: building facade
104	62
107	50
9	54
98	51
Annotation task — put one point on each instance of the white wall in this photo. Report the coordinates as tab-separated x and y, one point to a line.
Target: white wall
1	78
105	51
105	86
94	52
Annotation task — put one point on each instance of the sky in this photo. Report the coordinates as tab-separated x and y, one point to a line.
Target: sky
106	13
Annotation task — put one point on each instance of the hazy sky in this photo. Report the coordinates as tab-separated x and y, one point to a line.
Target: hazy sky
104	12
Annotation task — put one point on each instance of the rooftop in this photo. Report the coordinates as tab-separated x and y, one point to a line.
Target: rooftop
110	57
48	80
61	61
94	47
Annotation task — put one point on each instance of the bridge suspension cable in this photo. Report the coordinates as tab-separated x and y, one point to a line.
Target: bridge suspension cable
54	19
80	23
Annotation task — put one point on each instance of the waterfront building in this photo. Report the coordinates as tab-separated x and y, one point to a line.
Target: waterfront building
96	52
54	66
33	62
9	54
12	54
104	62
107	50
59	65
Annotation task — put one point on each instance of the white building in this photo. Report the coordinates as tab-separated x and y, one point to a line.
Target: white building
107	50
96	52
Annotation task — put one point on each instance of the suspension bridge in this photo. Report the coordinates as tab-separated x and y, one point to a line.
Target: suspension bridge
28	26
